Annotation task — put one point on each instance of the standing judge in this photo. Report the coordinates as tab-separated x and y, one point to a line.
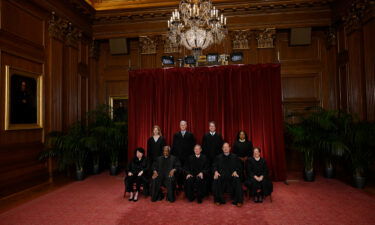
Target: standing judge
258	180
183	143
243	148
226	169
155	144
196	170
212	142
164	169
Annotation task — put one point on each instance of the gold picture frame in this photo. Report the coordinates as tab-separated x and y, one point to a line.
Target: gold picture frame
23	99
113	103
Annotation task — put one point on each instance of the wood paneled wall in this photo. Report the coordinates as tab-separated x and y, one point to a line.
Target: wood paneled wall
27	42
306	70
355	27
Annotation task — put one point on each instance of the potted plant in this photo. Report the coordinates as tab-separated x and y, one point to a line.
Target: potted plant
331	136
75	144
304	140
68	148
110	135
361	142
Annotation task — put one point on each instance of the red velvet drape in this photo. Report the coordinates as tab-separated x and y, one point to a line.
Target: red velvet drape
236	97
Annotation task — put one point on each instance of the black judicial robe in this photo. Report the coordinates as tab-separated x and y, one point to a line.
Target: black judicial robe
226	166
163	166
194	166
183	146
258	168
136	166
155	148
243	149
212	145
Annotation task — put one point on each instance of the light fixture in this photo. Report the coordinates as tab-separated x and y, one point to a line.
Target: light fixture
197	24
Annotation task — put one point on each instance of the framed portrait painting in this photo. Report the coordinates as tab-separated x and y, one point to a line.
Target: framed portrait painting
119	108
23	99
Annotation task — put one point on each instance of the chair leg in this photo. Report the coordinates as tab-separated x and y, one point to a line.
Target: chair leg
270	197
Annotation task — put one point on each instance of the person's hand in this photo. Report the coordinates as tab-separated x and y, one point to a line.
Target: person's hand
256	178
155	174
188	176
234	174
130	174
260	178
171	173
140	173
216	175
200	175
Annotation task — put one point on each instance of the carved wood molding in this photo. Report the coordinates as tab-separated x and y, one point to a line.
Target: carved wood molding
357	14
331	37
148	45
63	30
229	8
240	39
169	46
94	49
266	38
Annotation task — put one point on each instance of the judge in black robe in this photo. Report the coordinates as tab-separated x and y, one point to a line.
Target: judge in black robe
212	143
183	145
226	177
196	172
243	148
258	181
136	174
155	144
164	169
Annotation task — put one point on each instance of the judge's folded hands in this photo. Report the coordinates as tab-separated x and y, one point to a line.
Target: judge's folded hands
140	173
155	174
234	174
258	178
200	175
216	175
188	176
171	173
130	174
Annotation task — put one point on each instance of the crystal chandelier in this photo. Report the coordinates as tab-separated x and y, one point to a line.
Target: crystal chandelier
197	24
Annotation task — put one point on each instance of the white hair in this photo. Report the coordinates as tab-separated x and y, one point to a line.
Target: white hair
183	121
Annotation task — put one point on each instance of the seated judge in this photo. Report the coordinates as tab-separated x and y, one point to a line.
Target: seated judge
155	144
226	169
164	169
137	170
258	180
243	148
212	142
196	170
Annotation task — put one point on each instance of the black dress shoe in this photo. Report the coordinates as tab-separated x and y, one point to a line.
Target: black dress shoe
135	199
260	199
199	200
130	199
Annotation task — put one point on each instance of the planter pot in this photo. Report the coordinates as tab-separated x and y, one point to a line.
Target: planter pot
329	172
79	175
113	170
95	169
309	176
359	182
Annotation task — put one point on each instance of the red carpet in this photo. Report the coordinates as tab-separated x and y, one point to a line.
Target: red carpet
98	200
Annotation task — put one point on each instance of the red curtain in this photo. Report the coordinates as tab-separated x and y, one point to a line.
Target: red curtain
236	97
